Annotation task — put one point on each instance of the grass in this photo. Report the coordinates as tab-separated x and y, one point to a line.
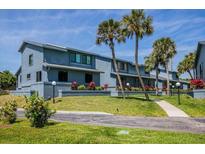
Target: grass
132	106
21	132
192	106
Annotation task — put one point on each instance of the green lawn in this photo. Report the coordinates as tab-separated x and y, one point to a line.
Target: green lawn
21	132
193	107
133	106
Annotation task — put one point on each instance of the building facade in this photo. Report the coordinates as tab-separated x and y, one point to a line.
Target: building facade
43	63
200	61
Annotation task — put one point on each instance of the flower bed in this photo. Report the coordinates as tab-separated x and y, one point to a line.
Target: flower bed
90	86
197	84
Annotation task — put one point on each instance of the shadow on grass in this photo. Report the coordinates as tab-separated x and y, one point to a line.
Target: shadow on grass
133	97
52	123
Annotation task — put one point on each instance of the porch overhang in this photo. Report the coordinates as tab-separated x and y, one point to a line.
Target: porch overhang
72	68
131	75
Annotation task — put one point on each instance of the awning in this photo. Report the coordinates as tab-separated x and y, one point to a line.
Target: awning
72	68
131	75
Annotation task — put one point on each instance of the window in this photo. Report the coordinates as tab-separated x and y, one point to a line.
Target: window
62	76
20	78
30	60
201	70
122	66
88	60
38	76
72	57
84	59
88	78
77	58
28	76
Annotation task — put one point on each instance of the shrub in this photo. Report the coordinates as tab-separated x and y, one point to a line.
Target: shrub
197	83
8	112
37	111
81	87
105	86
91	85
149	88
74	85
135	89
98	88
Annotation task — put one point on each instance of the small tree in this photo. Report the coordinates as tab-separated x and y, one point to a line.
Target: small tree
187	64
7	80
8	112
37	111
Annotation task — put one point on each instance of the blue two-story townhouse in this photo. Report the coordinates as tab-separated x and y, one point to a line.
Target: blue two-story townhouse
43	63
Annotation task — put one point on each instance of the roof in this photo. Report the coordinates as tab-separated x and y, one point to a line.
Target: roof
18	71
198	51
72	68
66	49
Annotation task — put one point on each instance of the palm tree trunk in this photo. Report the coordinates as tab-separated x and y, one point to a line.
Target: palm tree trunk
117	70
157	80
190	74
137	68
168	88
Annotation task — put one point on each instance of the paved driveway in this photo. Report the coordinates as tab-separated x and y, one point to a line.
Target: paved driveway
193	125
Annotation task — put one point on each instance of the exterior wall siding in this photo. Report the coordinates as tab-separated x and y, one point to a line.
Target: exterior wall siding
37	64
105	65
201	61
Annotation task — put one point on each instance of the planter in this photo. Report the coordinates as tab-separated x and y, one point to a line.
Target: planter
197	93
83	93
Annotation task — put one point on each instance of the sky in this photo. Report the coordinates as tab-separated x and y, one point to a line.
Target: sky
77	29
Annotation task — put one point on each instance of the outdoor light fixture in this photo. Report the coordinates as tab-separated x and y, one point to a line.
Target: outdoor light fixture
128	84
178	84
53	84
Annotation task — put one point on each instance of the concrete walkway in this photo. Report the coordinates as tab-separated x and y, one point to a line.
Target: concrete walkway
170	109
77	112
152	123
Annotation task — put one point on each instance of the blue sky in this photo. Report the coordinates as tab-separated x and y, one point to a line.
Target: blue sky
77	29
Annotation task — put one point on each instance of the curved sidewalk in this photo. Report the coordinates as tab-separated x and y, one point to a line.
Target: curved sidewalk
170	109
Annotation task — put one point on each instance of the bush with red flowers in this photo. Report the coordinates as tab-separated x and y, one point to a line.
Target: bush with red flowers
74	85
149	88
91	85
197	83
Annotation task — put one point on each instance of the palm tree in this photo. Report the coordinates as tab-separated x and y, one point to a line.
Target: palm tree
168	49
138	25
108	33
187	64
152	62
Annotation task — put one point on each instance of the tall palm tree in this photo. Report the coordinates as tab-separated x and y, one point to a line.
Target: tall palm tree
138	25
168	49
152	62
108	33
187	64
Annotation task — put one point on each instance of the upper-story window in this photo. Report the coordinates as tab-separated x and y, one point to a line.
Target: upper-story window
82	59
201	70
20	78
38	76
86	59
31	60
77	58
122	66
28	76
